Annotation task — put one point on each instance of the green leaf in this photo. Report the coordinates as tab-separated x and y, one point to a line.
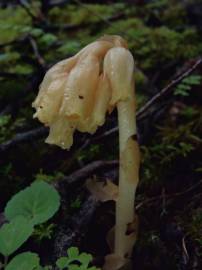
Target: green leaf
48	39
62	262
37	203
70	47
184	87
24	261
14	234
48	267
75	261
193	79
85	259
73	252
36	32
182	90
4	120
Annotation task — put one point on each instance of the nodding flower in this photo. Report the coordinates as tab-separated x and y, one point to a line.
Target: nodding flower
75	93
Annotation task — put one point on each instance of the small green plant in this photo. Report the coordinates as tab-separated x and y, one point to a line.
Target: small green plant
26	212
186	84
43	231
76	203
29	207
42	176
75	260
36	203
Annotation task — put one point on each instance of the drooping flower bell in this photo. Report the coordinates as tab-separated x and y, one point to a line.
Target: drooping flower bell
76	94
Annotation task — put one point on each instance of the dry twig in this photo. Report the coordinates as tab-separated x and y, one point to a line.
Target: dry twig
167	196
162	93
35	49
88	170
25	6
24	137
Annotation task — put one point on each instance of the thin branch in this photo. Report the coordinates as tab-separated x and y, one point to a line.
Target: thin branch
24	137
35	49
88	170
105	134
103	19
186	256
12	75
168	196
25	6
71	27
162	93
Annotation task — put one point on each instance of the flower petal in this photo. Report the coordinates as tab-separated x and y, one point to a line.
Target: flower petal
119	67
48	101
61	133
80	90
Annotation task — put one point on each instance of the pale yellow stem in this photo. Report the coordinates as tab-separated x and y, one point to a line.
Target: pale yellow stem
128	176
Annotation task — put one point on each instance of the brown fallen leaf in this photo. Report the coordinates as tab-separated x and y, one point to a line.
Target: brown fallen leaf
102	191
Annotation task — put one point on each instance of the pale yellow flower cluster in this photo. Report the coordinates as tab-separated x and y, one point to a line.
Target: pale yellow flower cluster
76	93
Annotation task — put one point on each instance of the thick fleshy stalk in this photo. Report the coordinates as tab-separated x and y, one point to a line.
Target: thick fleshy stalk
119	67
128	177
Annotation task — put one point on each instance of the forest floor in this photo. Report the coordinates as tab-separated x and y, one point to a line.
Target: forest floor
165	38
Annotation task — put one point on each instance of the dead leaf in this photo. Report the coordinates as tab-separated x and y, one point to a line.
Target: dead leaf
102	191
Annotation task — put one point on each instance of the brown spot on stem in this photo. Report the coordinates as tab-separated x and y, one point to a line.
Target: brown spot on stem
134	137
131	228
81	97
